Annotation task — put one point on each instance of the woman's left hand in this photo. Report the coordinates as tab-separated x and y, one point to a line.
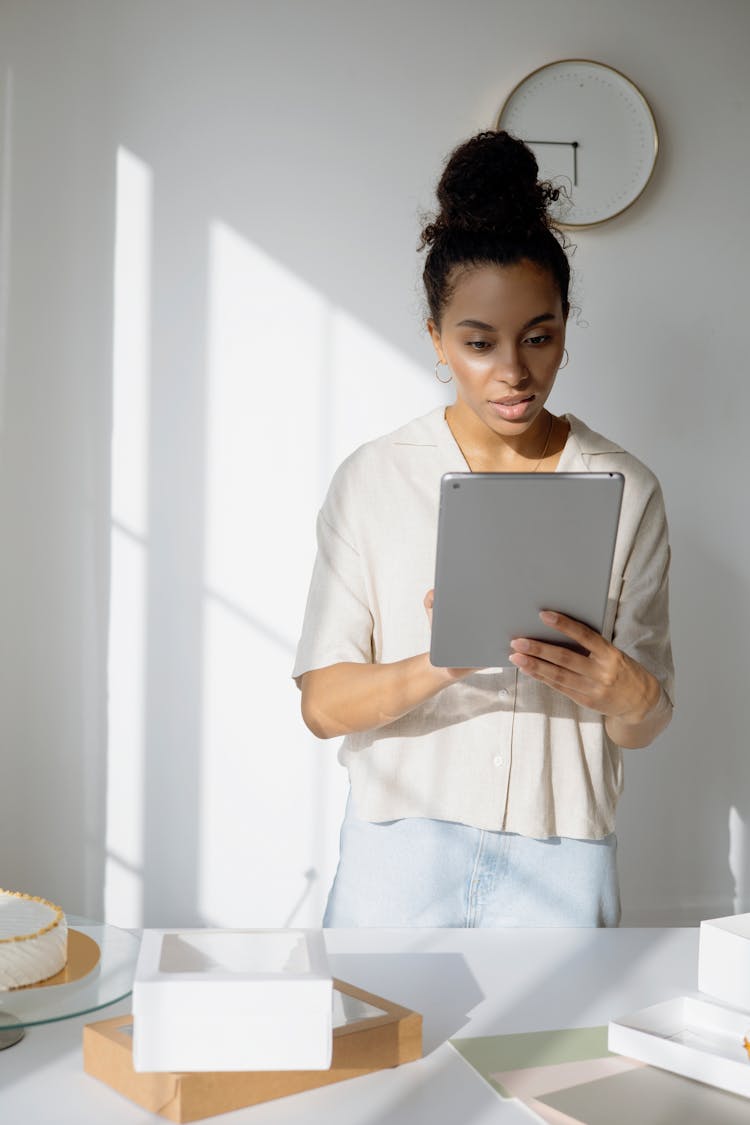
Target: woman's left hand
606	680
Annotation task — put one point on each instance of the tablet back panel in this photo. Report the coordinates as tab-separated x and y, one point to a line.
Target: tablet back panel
512	544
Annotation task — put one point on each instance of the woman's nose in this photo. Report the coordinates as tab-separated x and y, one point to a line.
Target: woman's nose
510	368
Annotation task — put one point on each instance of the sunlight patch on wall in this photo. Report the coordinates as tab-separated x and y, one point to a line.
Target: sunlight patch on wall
132	343
738	857
266	357
259	792
123	894
266	339
294	383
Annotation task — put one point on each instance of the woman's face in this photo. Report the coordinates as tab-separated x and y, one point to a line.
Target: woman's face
503	337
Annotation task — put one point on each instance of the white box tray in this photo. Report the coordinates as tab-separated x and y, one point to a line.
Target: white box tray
689	1035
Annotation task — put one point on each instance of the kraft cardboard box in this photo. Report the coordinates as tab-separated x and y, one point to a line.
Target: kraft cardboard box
372	1034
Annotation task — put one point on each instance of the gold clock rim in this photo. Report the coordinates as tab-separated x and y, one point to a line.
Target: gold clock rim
650	112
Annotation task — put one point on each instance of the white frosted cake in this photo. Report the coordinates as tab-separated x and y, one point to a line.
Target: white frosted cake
33	939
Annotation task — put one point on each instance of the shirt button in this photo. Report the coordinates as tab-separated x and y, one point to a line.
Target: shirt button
503	691
497	760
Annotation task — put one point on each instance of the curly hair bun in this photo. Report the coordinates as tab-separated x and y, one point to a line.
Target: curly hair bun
490	183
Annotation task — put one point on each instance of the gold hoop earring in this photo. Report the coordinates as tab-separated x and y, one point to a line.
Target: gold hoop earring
567	357
444	381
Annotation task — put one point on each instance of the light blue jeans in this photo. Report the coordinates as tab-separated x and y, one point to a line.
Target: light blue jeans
421	872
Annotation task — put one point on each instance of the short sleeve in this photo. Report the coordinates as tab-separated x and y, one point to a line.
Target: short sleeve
641	626
338	624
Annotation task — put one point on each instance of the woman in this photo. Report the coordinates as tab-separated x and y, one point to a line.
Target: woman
481	798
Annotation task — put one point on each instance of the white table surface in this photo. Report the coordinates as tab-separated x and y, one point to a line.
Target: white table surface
464	982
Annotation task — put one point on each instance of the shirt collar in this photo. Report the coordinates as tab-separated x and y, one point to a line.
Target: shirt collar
580	444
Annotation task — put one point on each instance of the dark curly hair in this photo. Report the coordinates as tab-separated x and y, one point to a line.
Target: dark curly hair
493	209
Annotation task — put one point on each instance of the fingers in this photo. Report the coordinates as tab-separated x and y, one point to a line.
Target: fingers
562	676
524	649
429	599
576	630
555	654
574	674
605	680
587	689
581	690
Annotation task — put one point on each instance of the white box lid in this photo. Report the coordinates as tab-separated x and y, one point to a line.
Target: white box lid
738	924
724	960
171	956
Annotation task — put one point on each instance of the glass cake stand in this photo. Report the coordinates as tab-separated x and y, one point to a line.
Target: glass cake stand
98	980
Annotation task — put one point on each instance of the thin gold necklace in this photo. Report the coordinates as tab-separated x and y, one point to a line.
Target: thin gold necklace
536	467
546	444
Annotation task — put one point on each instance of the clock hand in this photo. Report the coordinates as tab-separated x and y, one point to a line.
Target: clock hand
565	144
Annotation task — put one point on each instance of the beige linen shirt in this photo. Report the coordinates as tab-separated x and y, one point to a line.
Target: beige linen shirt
497	750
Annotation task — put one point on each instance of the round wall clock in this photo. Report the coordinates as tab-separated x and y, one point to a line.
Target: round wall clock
592	132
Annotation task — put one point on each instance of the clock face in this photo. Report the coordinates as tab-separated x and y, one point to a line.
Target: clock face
592	133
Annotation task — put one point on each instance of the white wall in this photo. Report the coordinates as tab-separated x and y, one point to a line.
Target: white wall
252	176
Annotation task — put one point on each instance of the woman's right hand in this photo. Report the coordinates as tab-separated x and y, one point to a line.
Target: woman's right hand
347	697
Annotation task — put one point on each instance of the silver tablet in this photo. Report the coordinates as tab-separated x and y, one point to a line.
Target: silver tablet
512	544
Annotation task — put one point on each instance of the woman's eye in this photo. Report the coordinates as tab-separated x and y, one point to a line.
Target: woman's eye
536	340
479	345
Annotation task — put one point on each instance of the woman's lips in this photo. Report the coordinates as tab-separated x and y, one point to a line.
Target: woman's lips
513	409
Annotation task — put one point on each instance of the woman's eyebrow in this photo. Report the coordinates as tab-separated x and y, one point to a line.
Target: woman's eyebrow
475	324
538	319
491	328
